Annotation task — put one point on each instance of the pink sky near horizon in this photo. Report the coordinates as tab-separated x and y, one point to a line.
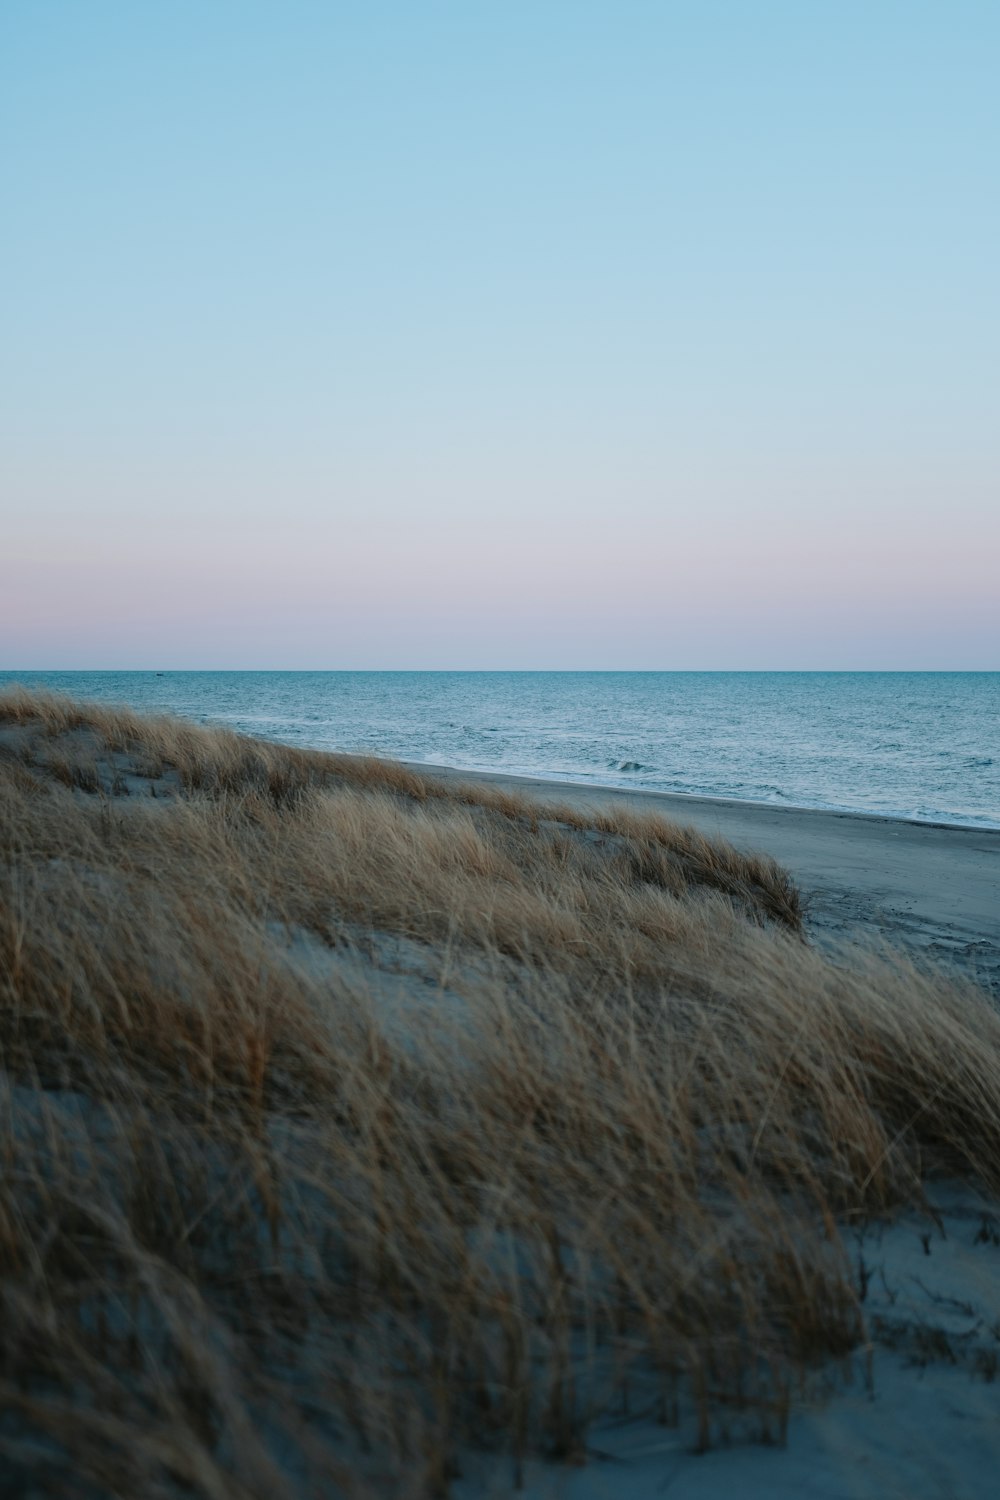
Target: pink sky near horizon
843	601
683	557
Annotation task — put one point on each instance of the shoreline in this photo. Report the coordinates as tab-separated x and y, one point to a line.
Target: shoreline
947	773
552	779
931	888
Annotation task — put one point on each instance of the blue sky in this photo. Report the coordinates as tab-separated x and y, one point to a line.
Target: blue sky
550	334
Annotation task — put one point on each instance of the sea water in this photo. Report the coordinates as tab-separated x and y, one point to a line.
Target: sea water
922	745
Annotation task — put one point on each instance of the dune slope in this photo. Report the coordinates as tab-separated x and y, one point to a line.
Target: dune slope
354	1123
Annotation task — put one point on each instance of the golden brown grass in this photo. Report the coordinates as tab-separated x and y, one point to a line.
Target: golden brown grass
351	1123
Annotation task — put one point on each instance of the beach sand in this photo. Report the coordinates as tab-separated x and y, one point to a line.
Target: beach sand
931	888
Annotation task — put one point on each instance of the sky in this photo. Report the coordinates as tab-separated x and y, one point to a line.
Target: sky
500	334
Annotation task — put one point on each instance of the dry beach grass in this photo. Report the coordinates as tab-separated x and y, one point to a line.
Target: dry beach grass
354	1123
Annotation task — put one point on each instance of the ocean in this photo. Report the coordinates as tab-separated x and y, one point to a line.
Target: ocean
920	745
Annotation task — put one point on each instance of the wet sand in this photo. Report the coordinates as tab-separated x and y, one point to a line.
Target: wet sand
930	887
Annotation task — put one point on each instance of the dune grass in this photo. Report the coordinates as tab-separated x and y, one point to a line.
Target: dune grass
353	1123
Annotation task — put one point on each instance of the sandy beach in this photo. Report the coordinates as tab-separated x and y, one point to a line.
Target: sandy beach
933	888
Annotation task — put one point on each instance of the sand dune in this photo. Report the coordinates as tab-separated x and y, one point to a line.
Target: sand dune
373	1133
932	888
